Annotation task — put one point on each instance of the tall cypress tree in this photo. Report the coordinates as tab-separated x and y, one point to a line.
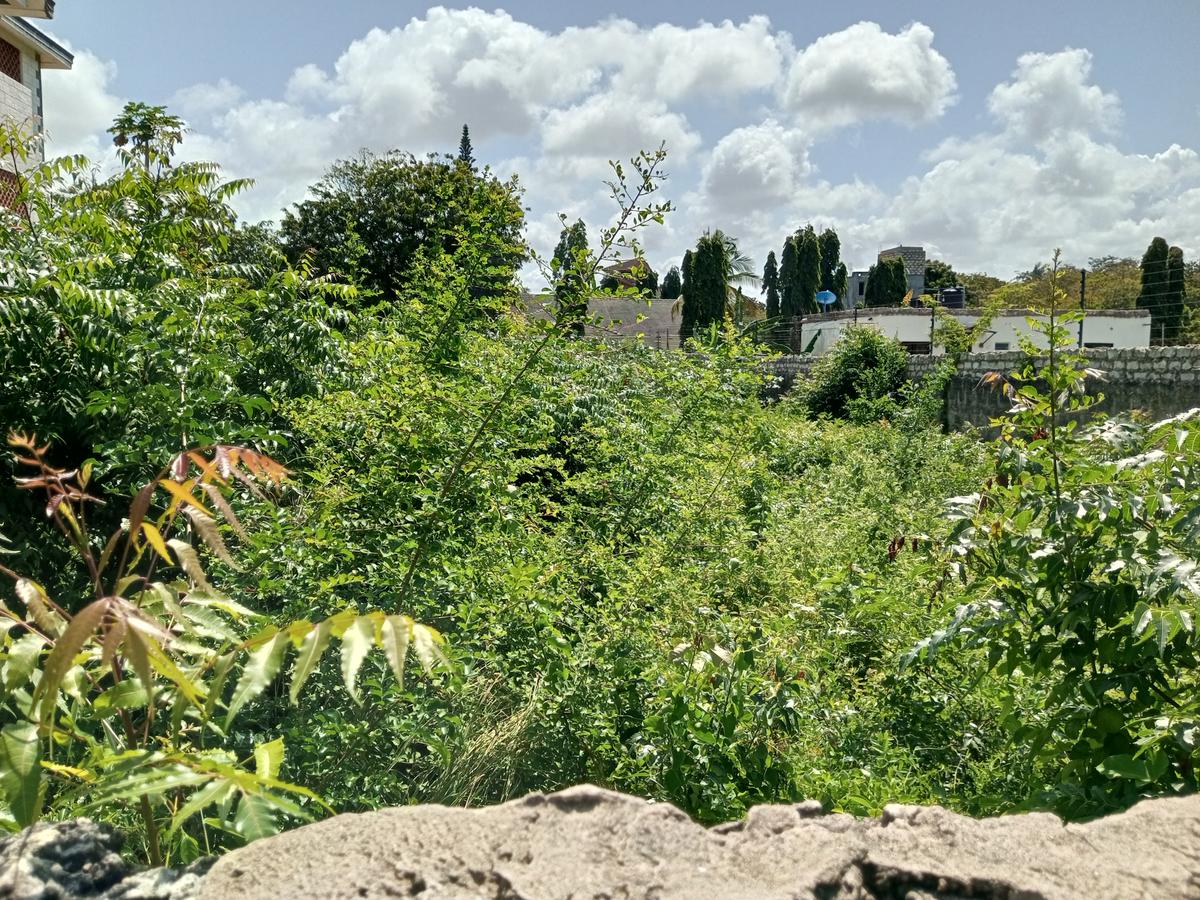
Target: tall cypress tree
887	283
710	277
770	284
1176	294
687	318
465	152
808	269
672	284
831	258
1154	285
789	287
841	283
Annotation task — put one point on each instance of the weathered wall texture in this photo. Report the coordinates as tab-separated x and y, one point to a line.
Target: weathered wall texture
585	842
1159	381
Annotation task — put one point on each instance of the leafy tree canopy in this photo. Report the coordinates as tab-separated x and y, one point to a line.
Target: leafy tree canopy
371	216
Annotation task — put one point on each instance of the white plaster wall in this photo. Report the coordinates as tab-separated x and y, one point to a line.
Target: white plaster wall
1119	330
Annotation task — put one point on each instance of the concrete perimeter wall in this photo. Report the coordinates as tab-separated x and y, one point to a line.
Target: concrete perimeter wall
1159	381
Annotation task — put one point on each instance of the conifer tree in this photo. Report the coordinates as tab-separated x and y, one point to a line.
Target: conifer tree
841	283
672	284
687	318
710	280
831	259
571	287
887	283
1154	282
770	284
465	152
808	269
789	289
1176	294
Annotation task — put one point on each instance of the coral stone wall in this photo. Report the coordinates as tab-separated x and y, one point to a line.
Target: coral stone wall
1159	381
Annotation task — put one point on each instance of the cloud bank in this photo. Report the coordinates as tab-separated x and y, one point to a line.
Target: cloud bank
1044	170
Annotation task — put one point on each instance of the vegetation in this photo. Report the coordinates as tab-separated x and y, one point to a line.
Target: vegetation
860	378
672	284
834	277
770	285
372	219
616	564
887	282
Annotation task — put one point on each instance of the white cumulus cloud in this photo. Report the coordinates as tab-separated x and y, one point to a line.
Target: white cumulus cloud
862	73
79	105
1049	94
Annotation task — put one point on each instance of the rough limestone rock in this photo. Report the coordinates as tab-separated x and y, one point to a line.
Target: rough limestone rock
80	859
590	843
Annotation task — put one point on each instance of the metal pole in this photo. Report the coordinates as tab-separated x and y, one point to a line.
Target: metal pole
1082	302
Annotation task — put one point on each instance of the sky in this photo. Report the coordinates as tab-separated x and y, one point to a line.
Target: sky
990	133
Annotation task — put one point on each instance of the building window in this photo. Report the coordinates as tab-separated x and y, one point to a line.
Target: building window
10	60
918	347
1097	345
861	286
1002	345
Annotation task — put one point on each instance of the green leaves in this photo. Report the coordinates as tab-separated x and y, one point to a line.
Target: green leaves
20	752
258	672
1082	544
357	641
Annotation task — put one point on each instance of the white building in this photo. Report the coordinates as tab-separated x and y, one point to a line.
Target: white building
24	53
916	328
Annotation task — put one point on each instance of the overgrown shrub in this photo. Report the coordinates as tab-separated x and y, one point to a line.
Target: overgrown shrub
1079	559
860	378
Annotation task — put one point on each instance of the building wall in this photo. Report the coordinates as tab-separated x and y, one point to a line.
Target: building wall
1155	381
20	102
911	326
618	317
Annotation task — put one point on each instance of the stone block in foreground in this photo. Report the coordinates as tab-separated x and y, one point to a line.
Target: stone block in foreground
590	843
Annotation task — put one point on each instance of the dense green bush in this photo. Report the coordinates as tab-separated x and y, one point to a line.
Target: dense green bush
860	378
1079	558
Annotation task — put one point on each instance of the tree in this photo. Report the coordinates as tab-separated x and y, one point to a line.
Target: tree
150	133
770	284
573	281
381	212
1176	294
808	269
739	268
887	282
1154	285
466	153
831	260
687	317
672	284
939	275
789	289
707	290
841	283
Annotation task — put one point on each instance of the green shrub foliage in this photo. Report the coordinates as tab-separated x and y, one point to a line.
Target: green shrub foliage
859	378
646	577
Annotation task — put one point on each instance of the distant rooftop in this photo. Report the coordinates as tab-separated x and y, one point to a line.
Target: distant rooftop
35	9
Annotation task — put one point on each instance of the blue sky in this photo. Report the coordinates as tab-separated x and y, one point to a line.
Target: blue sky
990	132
